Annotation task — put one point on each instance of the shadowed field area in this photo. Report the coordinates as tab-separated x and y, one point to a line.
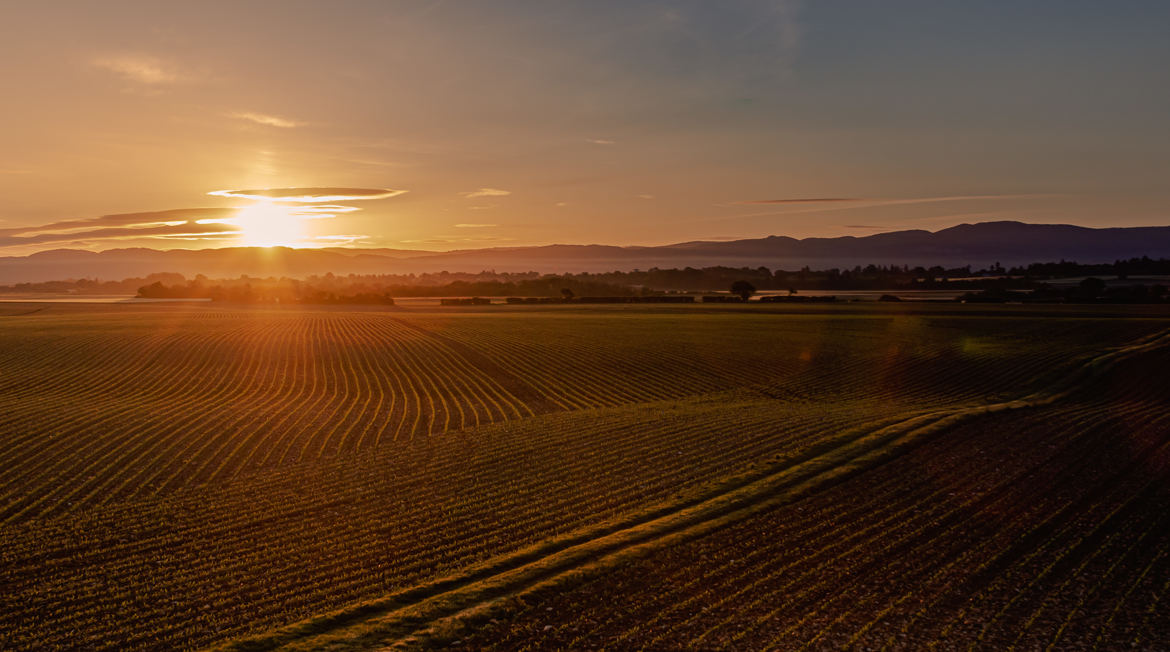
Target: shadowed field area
750	478
1046	529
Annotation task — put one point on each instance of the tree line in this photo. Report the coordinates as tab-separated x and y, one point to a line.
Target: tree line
368	290
623	283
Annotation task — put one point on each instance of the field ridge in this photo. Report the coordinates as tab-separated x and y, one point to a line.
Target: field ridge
523	390
431	610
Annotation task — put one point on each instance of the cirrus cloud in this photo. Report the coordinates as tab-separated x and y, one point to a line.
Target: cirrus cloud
889	201
139	68
187	230
133	220
834	204
802	200
267	120
309	195
486	192
326	209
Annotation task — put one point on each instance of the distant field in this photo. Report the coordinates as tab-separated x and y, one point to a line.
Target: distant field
177	476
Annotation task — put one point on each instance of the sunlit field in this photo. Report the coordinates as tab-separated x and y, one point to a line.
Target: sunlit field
746	477
753	325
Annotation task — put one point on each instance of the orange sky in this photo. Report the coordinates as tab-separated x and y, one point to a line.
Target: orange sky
454	125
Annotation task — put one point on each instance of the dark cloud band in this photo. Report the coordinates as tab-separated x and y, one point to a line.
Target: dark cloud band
811	200
123	219
189	229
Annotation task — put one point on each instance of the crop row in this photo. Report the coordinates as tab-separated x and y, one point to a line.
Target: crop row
589	361
287	544
208	476
1046	530
150	414
112	408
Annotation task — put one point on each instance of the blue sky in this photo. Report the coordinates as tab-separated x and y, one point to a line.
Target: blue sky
511	123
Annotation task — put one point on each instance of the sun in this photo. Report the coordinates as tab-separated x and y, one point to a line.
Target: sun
267	224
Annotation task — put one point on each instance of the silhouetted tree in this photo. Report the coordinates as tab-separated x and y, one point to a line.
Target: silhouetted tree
743	289
567	294
1092	287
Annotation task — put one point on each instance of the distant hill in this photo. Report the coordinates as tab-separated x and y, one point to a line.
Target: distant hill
979	245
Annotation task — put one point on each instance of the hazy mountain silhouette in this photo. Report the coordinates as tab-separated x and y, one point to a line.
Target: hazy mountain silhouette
980	245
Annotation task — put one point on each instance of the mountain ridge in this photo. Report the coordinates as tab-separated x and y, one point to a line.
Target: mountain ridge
981	244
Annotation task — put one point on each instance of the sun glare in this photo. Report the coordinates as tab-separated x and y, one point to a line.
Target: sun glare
268	224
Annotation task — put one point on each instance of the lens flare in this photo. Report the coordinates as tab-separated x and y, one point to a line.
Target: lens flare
268	224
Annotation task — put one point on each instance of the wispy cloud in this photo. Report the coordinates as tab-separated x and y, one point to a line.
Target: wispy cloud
644	196
181	224
142	69
486	192
214	225
890	201
309	195
823	205
267	120
151	218
475	226
328	210
451	239
602	141
341	239
813	200
374	163
186	230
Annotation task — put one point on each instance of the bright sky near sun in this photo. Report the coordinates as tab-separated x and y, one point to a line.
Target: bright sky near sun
448	125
